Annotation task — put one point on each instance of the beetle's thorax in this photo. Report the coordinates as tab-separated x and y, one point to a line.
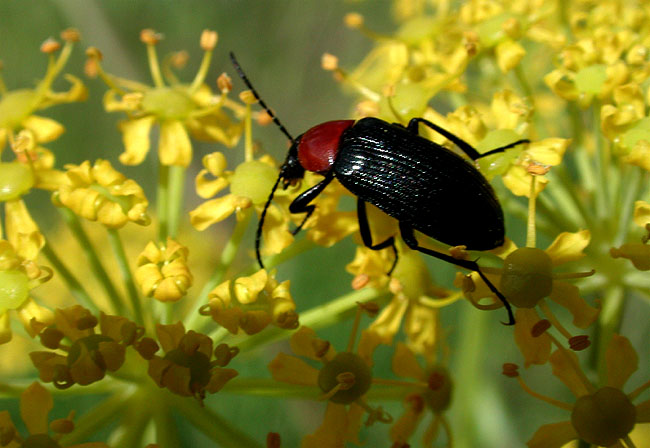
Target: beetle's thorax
319	146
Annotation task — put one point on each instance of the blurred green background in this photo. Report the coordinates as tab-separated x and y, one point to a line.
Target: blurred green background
279	44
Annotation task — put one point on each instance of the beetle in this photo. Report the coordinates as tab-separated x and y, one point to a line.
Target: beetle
423	185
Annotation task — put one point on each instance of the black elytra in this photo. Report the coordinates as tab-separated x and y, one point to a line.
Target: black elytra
421	184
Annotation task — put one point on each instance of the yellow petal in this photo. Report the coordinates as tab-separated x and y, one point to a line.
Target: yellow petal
548	151
405	364
389	320
135	135
44	129
35	404
508	54
641	213
568	246
568	296
22	232
535	350
46	362
254	321
517	180
219	378
34	317
112	354
421	327
622	361
554	435
564	364
174	147
304	342
170	336
290	369
248	288
85	370
332	432
216	210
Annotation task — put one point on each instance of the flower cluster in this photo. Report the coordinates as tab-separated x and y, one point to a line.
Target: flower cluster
400	359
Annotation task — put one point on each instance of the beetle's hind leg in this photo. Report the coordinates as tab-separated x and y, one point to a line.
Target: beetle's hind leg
409	238
366	236
462	144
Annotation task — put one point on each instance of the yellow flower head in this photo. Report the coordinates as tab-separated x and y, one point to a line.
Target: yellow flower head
17	107
180	109
35	405
18	276
90	354
416	299
526	279
602	416
343	380
434	394
163	272
252	303
98	192
187	368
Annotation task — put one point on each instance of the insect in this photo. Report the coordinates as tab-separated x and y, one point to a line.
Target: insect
421	184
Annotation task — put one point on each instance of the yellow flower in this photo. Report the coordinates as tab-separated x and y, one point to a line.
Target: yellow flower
17	107
435	395
252	303
343	380
163	272
99	193
35	405
18	276
91	354
637	253
602	416
526	279
178	108
416	300
187	368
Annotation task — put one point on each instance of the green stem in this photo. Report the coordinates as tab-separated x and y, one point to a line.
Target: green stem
175	191
74	286
162	202
609	322
98	417
212	425
95	264
127	276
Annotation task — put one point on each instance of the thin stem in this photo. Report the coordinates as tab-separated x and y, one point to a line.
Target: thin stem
154	66
96	265
175	191
127	276
74	286
201	74
609	321
162	202
531	238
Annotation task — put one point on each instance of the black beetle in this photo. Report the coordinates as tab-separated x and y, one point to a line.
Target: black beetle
421	184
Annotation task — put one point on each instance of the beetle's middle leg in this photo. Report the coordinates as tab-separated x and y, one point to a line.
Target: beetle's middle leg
301	204
366	236
409	238
462	144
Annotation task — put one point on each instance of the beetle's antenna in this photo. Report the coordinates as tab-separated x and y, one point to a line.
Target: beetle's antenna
268	110
276	120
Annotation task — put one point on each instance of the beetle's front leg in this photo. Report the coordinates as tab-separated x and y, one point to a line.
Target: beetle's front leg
302	203
366	236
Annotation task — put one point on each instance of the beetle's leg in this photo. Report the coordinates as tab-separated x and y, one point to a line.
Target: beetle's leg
462	144
409	238
366	236
301	203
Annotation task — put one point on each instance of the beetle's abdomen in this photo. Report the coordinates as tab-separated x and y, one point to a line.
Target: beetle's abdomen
420	183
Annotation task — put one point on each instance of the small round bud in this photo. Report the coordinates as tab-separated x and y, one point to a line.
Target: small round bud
353	20
71	35
329	62
209	40
150	37
540	328
578	343
50	46
510	370
247	97
224	83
